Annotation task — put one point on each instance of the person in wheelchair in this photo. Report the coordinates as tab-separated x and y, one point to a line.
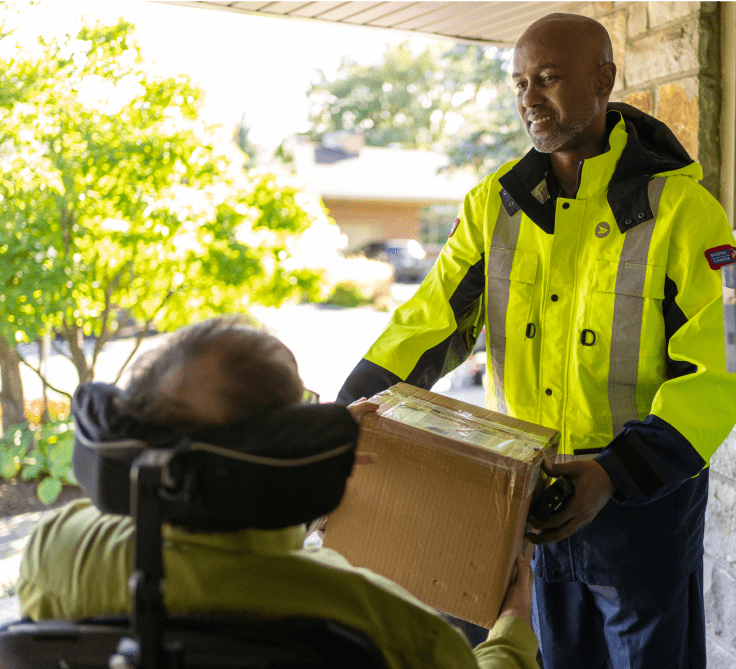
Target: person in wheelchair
215	381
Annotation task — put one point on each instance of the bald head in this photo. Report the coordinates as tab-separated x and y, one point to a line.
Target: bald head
582	35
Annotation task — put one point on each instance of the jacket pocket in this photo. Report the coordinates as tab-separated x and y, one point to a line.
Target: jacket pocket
629	278
625	302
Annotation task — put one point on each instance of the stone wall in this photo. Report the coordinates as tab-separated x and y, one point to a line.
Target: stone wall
668	60
668	57
720	558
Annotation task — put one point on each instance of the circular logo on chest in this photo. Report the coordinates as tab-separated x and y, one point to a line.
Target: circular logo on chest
602	230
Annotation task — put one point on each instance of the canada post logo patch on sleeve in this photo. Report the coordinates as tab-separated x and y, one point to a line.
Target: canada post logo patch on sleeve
454	226
720	256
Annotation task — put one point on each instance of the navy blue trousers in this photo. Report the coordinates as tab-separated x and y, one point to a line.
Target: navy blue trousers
647	622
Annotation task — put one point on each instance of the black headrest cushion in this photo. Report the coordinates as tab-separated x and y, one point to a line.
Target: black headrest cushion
287	468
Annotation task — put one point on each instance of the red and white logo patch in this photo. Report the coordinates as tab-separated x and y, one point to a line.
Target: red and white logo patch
719	256
454	226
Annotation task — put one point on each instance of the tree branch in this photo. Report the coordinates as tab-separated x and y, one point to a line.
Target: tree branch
61	351
72	334
142	333
105	332
41	376
66	229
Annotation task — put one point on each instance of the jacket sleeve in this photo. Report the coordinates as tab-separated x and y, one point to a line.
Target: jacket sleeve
434	331
694	410
511	644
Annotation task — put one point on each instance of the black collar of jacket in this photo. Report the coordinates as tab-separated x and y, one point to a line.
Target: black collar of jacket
651	148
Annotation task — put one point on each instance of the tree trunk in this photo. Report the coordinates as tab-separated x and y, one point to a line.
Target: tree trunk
11	395
44	358
74	338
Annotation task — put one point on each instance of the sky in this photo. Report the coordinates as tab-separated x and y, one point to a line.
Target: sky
252	65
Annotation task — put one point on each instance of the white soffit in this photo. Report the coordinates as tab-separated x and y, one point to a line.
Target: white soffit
499	23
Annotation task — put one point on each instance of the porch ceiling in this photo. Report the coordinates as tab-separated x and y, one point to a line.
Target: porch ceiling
499	23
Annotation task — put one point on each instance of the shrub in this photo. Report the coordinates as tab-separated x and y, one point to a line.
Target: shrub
355	281
42	453
347	295
58	410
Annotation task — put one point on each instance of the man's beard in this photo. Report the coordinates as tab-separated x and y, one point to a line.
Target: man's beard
562	134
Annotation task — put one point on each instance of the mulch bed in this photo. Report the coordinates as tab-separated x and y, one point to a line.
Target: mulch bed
18	497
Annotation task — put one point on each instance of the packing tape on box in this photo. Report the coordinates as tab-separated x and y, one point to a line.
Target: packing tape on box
519	448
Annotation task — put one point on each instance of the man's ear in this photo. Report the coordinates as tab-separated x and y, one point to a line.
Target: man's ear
606	79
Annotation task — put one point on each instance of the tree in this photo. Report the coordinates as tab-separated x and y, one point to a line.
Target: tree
116	200
242	140
11	395
458	100
492	132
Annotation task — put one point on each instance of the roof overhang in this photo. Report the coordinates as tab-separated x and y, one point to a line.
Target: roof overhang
498	23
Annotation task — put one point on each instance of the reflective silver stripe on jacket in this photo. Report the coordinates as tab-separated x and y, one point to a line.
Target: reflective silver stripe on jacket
500	262
628	311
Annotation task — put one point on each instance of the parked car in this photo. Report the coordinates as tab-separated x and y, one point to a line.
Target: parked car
407	256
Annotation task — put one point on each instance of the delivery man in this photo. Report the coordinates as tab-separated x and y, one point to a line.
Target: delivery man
585	260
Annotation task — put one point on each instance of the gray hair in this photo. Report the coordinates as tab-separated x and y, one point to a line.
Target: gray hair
257	373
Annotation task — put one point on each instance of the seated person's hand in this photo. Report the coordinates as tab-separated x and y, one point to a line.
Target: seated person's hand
518	600
361	407
357	410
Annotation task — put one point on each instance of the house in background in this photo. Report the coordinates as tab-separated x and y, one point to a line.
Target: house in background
380	193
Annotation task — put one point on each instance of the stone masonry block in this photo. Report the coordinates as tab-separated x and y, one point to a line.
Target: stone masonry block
710	44
638	19
720	607
662	54
724	459
720	521
718	657
600	8
708	567
615	24
710	7
680	112
586	10
641	100
710	96
661	13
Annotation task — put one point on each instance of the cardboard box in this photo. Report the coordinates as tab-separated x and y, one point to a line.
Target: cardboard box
443	510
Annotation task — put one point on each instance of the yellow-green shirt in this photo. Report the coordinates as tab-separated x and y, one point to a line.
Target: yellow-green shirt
78	561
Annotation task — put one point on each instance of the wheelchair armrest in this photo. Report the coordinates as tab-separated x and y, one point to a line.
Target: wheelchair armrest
48	643
205	642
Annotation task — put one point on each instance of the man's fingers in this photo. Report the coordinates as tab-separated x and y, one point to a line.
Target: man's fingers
557	520
555	470
550	536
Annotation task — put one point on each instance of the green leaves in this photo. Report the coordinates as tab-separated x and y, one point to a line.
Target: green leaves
48	490
14	445
115	196
40	453
451	100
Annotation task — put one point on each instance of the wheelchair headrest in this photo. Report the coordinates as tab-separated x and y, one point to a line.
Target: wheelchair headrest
287	468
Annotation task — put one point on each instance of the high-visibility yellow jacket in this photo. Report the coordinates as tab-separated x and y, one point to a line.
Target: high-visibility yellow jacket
603	318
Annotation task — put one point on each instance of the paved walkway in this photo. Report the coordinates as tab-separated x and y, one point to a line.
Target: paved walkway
14	533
